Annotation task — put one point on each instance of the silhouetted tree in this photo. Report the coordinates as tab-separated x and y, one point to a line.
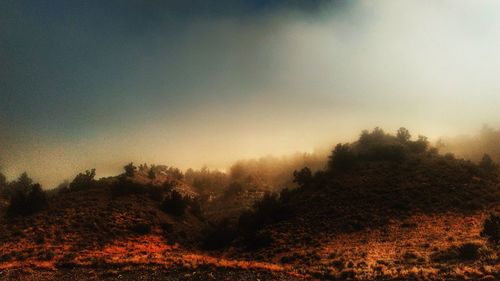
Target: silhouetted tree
403	135
302	177
37	198
342	158
220	235
3	180
168	185
233	189
23	182
83	180
487	163
174	204
175	173
27	198
421	144
151	173
491	228
130	169
4	190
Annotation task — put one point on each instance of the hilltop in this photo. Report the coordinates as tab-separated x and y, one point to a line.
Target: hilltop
384	207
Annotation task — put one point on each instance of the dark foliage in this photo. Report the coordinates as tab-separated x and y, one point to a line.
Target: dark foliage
27	198
141	228
125	186
84	180
174	204
403	135
487	164
233	189
269	209
491	228
195	207
468	251
152	174
130	169
302	177
342	158
219	236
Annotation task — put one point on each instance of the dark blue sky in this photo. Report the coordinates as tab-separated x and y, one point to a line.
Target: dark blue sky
65	64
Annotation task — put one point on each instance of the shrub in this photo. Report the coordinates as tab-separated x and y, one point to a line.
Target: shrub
468	251
27	198
268	210
233	189
83	180
342	158
195	207
156	192
487	164
151	173
419	146
302	177
258	240
384	152
141	228
124	187
130	169
219	236
174	204
491	228
403	135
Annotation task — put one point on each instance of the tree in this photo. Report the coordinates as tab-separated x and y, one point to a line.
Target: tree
302	177
3	180
3	185
23	181
420	145
403	135
151	173
27	198
174	204
342	158
130	169
83	180
233	189
487	163
491	228
37	198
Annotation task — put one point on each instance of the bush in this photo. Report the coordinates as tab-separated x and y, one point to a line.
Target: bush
124	187
491	228
219	236
342	158
403	135
156	192
469	251
83	180
303	177
487	164
130	169
269	209
141	228
384	152
419	146
174	204
233	189
27	200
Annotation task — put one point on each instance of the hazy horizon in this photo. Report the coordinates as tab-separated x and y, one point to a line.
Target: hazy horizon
98	85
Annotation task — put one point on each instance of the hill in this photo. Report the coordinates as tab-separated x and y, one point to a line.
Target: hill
386	207
383	202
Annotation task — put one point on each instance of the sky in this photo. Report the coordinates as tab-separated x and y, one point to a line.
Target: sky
97	84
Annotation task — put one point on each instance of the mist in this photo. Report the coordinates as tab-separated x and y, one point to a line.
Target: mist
211	88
